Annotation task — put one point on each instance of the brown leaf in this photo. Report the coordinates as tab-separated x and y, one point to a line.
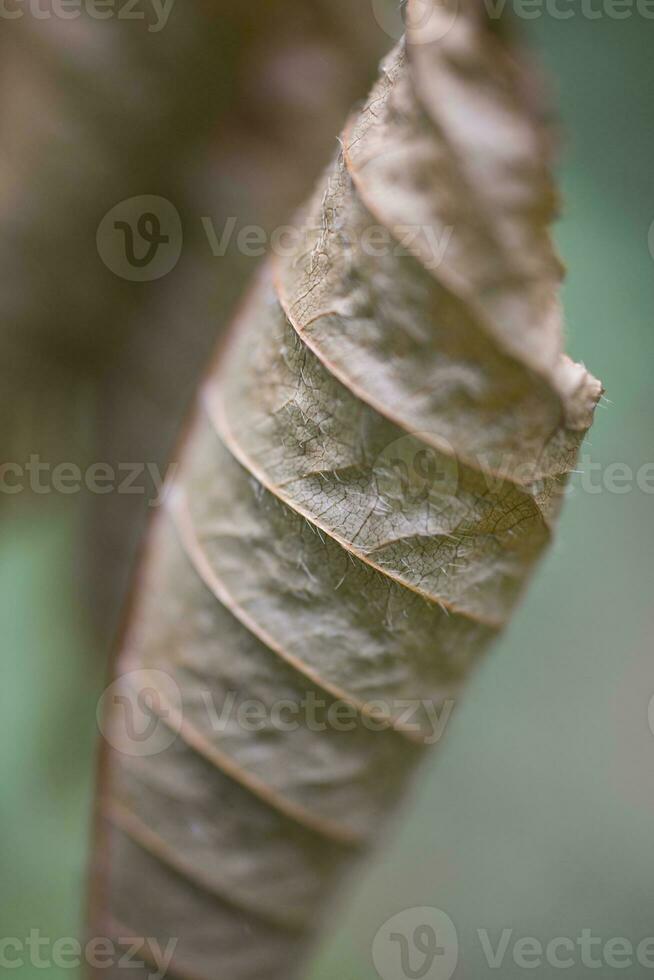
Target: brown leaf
374	468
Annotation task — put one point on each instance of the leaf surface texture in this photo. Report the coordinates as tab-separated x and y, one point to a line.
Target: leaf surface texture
374	467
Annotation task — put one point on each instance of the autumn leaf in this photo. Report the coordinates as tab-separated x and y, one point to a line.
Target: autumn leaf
373	470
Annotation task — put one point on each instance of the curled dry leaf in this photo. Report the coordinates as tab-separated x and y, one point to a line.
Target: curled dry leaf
374	467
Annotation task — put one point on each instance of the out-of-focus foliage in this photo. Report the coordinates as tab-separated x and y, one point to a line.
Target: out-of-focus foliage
206	113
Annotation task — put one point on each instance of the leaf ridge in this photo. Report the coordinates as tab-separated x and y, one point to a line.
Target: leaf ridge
430	438
194	738
121	817
197	557
218	420
283	453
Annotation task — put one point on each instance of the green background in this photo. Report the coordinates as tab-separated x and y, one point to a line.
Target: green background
536	812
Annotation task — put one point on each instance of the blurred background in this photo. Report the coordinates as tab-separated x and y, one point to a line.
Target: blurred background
535	814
